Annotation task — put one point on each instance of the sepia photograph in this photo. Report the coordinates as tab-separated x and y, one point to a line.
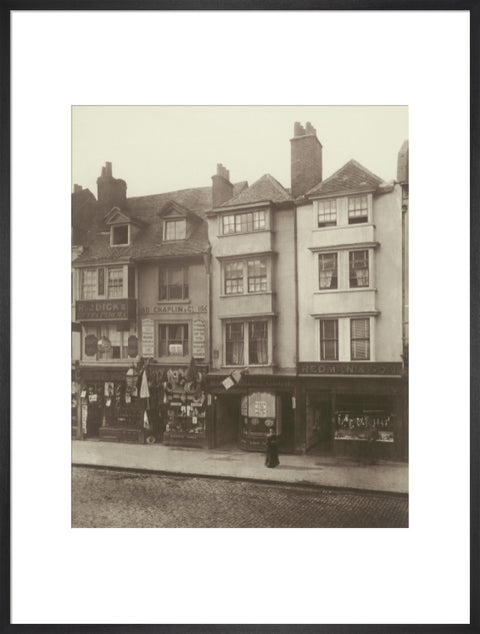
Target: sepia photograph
239	316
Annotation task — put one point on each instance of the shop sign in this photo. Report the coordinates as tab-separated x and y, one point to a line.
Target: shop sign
132	346
104	345
354	368
90	345
98	310
183	309
148	338
198	339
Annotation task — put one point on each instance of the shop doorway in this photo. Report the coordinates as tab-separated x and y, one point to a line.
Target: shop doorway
227	420
319	433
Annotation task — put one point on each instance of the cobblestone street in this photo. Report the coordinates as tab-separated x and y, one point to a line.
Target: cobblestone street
108	498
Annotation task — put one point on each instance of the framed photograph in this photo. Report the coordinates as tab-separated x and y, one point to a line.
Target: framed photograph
336	327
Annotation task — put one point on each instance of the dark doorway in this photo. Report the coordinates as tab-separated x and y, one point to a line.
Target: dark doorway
227	419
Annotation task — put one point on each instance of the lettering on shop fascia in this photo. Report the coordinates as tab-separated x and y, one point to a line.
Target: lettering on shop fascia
105	310
381	369
173	309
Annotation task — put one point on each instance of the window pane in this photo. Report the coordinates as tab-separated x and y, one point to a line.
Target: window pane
233	277
358	269
360	339
329	339
327	263
175	230
327	213
257	276
258	342
357	209
89	283
120	234
115	282
234	344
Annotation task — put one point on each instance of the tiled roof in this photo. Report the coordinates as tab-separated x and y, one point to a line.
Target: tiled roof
148	242
265	188
352	177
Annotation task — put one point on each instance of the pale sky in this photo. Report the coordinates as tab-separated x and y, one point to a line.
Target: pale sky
158	149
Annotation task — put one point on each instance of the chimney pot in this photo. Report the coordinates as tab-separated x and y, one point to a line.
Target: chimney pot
306	159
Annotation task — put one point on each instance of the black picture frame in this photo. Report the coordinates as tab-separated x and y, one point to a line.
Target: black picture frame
5	432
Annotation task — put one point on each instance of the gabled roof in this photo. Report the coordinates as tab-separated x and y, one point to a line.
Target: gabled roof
350	178
265	188
172	208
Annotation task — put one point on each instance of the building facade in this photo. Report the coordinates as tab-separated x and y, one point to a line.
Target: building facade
350	293
208	316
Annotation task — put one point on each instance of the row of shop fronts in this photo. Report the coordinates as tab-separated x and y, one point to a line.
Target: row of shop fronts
327	409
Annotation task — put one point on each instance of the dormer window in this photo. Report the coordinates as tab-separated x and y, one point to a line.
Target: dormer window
175	229
120	235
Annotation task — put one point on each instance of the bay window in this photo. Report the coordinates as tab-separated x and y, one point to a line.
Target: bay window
247	343
246	276
244	222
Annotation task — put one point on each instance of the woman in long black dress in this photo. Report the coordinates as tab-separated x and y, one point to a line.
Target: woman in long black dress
271	459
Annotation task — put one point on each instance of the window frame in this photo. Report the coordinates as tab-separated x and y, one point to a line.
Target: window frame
112	235
331	220
352	269
321	268
366	339
238	267
175	221
247	326
354	216
324	340
163	275
93	284
258	221
244	264
169	341
110	295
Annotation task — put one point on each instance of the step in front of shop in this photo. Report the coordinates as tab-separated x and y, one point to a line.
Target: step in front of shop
120	434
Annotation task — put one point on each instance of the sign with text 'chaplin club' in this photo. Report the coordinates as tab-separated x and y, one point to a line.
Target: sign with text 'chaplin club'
98	310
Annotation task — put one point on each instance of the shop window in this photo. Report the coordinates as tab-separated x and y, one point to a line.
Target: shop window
115	282
114	342
258	342
327	213
101	282
89	283
173	340
233	278
173	283
360	339
257	276
244	222
329	339
357	210
327	270
175	229
246	343
120	235
358	268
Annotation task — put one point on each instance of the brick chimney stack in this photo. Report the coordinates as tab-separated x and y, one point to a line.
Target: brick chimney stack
222	188
306	159
77	188
112	192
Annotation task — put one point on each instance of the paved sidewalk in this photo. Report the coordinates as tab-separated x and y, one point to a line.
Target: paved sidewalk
385	476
